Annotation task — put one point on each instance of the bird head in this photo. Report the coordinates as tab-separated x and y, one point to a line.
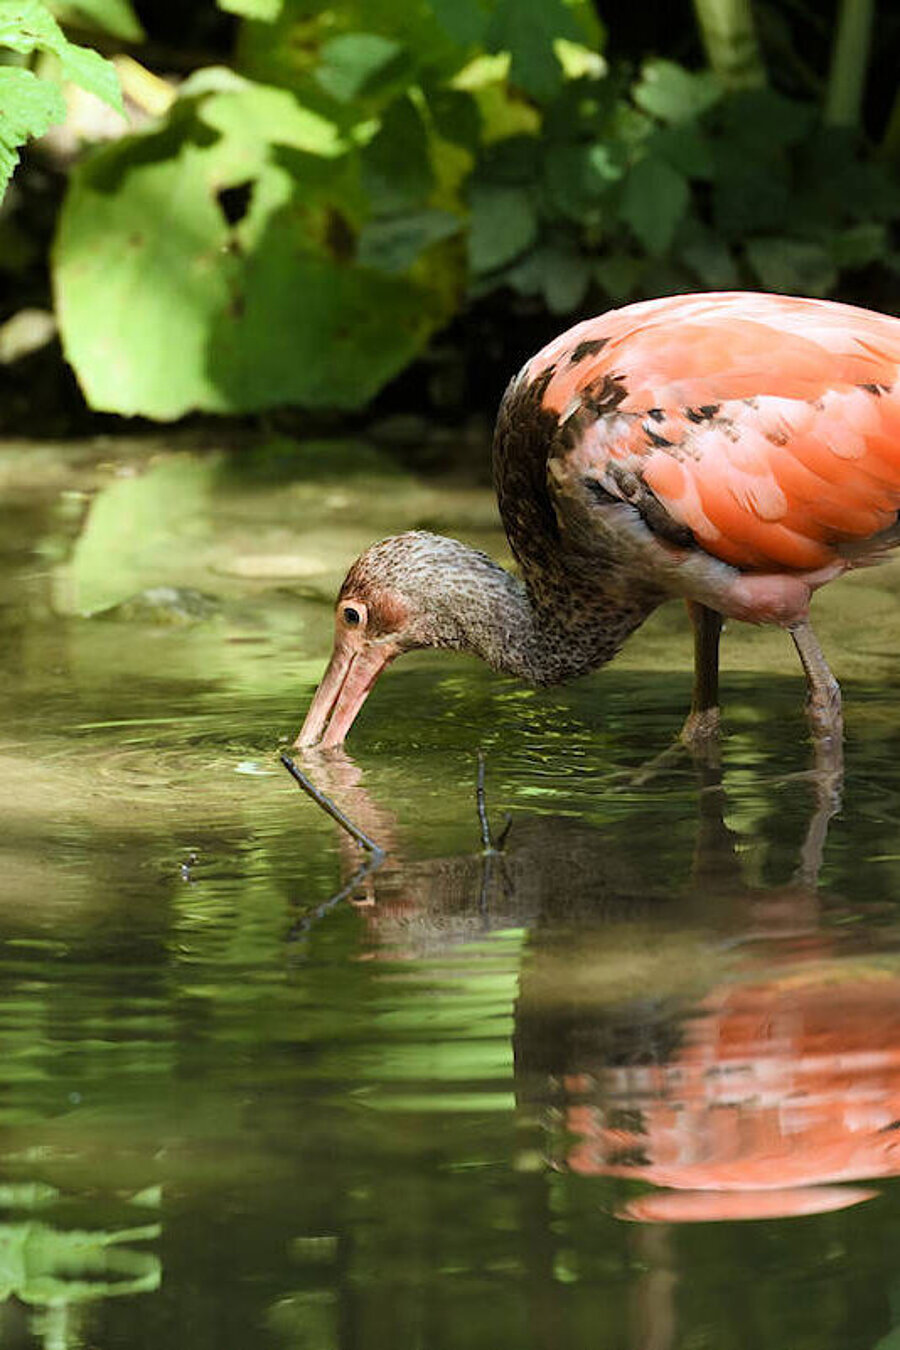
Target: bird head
402	593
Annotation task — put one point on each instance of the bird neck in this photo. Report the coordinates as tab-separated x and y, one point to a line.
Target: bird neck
548	628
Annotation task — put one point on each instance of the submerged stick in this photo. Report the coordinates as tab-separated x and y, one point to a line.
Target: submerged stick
332	809
487	843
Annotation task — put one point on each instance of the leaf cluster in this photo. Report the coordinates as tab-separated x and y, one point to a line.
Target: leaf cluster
32	100
306	222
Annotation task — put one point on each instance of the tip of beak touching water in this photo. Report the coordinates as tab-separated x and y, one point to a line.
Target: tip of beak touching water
353	669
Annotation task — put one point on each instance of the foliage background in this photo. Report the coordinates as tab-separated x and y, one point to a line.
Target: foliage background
383	204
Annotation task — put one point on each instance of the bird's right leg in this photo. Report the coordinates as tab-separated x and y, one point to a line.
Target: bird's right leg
702	725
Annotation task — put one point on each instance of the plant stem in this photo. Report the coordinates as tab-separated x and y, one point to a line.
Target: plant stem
729	38
849	62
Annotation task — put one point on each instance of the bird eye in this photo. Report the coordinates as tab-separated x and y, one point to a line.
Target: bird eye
351	616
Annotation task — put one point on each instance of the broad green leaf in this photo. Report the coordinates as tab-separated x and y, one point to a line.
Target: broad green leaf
579	62
396	164
654	201
355	63
792	265
504	224
265	10
455	116
673	94
686	147
27	26
29	106
392	243
709	257
557	273
267	116
620	275
161	313
749	195
116	17
761	121
528	32
860	245
465	21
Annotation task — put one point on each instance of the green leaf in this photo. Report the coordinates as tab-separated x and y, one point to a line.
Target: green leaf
355	63
464	21
673	94
620	275
273	310
687	148
396	164
528	30
654	201
29	106
504	224
558	273
567	276
793	265
456	116
27	26
262	116
748	195
860	245
761	122
710	258
393	243
116	17
266	10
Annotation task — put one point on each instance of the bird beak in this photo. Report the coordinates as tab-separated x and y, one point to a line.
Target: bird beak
353	669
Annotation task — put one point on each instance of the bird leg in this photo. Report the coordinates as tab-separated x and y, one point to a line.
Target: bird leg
823	707
702	725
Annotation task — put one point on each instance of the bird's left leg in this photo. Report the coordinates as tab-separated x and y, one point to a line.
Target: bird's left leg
702	725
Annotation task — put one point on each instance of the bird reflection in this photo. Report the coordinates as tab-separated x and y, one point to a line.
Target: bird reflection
721	1049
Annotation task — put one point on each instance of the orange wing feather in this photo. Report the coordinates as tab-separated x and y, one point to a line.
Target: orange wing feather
766	424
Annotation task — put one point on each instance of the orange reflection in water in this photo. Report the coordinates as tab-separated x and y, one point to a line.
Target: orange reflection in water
778	1085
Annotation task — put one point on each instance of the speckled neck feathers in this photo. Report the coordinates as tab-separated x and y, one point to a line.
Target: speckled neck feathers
545	629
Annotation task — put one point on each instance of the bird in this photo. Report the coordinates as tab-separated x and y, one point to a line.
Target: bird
735	450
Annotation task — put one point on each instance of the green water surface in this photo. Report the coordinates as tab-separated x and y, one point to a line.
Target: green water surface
633	1084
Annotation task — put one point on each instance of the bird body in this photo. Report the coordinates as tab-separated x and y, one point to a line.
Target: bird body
733	449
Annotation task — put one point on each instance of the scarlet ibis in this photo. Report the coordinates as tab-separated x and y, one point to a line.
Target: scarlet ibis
737	450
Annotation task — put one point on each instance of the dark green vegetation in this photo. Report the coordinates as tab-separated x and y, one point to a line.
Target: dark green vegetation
328	188
232	1115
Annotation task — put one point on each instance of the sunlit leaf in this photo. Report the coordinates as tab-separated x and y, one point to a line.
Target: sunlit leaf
354	63
27	26
30	106
528	32
116	17
266	10
269	310
674	94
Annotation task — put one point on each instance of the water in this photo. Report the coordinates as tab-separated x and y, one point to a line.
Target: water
633	1084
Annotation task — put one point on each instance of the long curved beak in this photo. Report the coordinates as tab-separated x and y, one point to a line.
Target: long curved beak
345	686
